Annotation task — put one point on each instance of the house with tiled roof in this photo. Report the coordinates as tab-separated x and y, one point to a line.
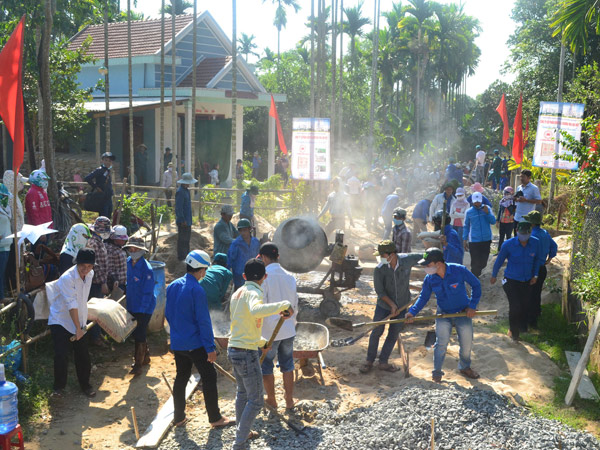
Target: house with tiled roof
212	64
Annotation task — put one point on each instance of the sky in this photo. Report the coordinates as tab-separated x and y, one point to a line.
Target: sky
256	17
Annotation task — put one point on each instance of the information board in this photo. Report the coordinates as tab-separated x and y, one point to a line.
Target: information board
554	118
311	158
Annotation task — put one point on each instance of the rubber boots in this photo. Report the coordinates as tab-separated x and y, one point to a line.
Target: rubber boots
140	350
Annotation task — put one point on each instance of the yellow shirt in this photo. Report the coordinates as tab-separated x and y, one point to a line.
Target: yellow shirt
247	311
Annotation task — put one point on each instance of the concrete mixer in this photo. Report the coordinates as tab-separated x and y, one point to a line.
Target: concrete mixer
302	245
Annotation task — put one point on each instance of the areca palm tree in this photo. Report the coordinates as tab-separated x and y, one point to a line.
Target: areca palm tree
280	20
353	28
573	20
247	45
180	6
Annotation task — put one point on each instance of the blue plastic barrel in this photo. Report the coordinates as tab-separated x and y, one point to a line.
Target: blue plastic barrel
160	291
9	412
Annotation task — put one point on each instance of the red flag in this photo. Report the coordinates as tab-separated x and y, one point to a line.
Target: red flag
593	147
517	150
501	109
11	92
526	133
273	113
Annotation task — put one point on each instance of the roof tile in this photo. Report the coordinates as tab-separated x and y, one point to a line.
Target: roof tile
145	37
206	71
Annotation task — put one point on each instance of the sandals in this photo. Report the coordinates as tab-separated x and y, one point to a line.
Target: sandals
181	423
388	367
366	367
222	422
253	435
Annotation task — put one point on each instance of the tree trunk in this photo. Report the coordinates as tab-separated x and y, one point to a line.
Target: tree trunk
162	86
332	113
194	59
341	97
46	105
312	58
129	72
233	89
106	81
174	127
373	80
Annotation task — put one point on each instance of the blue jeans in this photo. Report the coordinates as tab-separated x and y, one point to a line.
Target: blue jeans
3	263
284	350
390	340
443	329
249	398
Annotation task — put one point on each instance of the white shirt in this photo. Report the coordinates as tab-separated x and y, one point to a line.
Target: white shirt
353	186
167	179
69	292
279	286
480	158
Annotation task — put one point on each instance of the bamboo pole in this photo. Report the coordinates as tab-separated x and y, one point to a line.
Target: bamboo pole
135	424
27	342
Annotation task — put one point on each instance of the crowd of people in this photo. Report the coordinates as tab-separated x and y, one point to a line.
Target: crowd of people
245	281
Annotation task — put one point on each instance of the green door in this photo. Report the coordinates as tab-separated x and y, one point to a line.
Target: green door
213	146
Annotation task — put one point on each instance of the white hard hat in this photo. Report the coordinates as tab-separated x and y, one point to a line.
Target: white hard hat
197	259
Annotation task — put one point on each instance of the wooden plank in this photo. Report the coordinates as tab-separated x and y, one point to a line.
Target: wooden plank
585	356
164	419
586	388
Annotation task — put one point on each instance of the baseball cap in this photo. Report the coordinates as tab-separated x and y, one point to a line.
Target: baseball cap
533	217
399	212
227	209
523	226
254	269
477	197
244	223
432	254
85	256
270	250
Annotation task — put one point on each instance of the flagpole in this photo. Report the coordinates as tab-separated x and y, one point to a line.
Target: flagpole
15	231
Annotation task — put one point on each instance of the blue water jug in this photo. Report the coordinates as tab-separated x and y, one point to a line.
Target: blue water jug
9	413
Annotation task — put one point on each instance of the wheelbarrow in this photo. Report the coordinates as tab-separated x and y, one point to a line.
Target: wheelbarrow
311	339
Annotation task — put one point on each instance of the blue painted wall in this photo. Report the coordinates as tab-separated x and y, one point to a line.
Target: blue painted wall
142	76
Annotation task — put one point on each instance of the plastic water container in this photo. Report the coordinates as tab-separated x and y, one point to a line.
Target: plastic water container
9	413
160	291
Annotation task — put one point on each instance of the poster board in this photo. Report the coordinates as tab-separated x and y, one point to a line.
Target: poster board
553	118
311	153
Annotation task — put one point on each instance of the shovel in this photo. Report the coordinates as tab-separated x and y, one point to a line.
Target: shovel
347	324
289	423
272	338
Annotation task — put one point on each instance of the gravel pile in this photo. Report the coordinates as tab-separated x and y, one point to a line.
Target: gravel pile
464	419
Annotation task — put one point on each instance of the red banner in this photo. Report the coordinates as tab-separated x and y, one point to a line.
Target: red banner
501	109
273	113
11	92
517	149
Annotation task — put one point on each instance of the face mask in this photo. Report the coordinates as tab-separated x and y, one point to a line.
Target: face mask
523	237
104	236
460	197
508	196
137	254
398	221
430	270
4	201
44	184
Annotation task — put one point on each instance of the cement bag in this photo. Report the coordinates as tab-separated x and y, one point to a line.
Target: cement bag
112	318
43	299
430	238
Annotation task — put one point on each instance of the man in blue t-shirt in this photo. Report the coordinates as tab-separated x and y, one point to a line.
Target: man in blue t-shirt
447	282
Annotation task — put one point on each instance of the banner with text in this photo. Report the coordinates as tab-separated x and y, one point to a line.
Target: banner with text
310	149
554	118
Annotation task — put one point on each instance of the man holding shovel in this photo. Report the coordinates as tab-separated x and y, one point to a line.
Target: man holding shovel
447	282
391	279
247	311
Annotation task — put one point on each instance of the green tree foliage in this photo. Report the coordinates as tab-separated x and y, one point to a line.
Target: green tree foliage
67	108
247	46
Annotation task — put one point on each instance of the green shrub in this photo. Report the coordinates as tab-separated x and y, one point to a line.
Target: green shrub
139	205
